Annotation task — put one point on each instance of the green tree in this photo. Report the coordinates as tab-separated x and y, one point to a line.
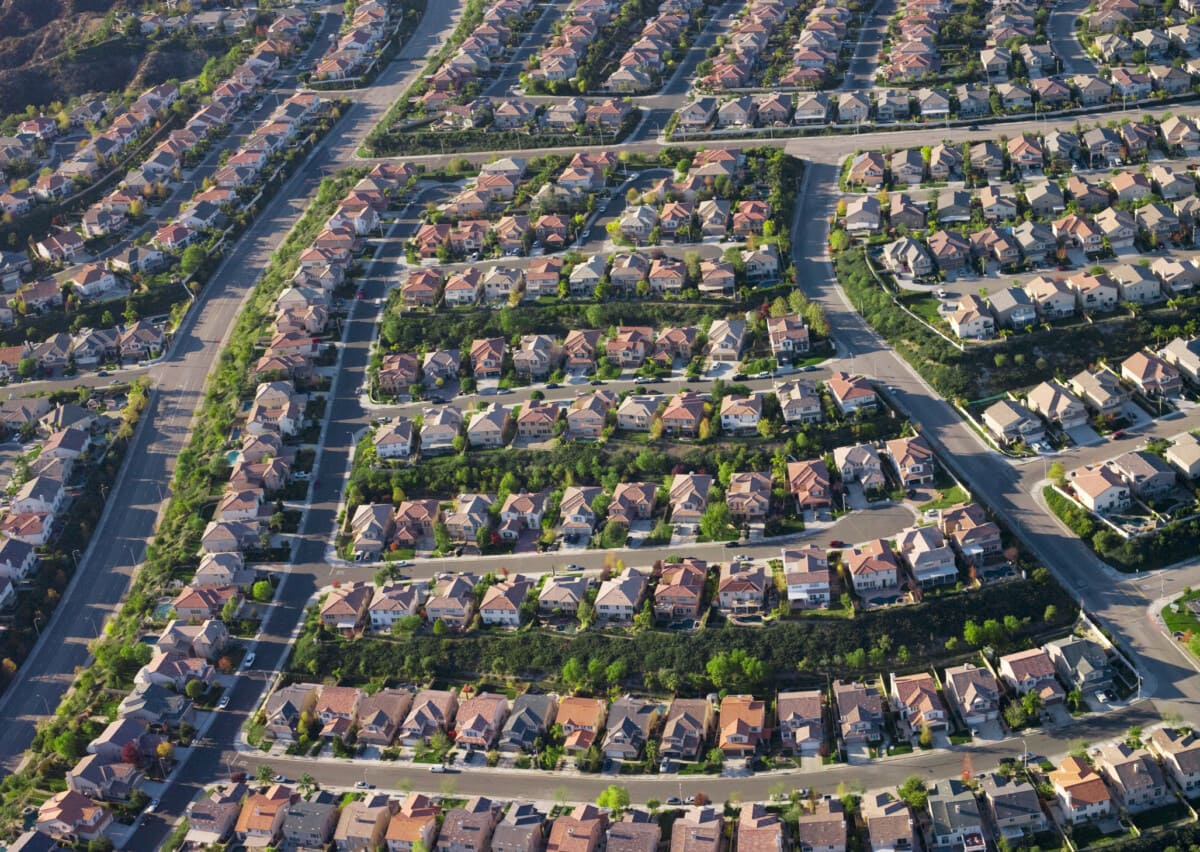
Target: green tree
306	785
912	792
613	797
262	591
26	368
736	670
1050	614
716	522
265	773
926	738
192	260
194	689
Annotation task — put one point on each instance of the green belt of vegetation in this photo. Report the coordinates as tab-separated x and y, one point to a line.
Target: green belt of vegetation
1020	360
449	329
1173	543
200	471
1007	616
606	464
411	143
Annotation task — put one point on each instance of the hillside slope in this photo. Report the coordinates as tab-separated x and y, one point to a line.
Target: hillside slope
40	61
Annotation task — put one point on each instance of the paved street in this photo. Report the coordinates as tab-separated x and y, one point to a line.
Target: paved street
864	65
1060	30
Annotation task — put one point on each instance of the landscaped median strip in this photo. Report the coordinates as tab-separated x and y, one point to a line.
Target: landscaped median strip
197	472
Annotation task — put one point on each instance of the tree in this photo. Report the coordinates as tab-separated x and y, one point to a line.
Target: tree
439	628
716	522
1058	474
26	368
913	793
165	752
972	634
230	610
262	591
1031	703
130	753
644	620
1051	613
265	774
194	689
306	784
926	738
613	797
1014	715
191	260
573	673
736	670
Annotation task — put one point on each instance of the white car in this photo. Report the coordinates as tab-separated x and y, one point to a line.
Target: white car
223	703
248	660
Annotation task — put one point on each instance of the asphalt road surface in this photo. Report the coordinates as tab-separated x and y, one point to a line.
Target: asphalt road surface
1060	30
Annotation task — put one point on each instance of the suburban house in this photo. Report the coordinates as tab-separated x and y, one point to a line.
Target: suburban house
1133	776
743	725
974	693
1080	791
1031	670
582	721
688	726
916	699
801	721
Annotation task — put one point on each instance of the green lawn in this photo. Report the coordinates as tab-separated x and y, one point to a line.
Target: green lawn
1161	816
951	496
926	307
1181	622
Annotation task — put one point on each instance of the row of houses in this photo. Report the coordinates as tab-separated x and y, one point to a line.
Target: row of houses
87	347
535	356
64	437
625	273
572	114
111	213
357	45
302	309
582	24
1047	299
737	66
641	66
592	414
85	166
277	815
1002	807
242	170
374	527
1099	391
485	44
913	53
